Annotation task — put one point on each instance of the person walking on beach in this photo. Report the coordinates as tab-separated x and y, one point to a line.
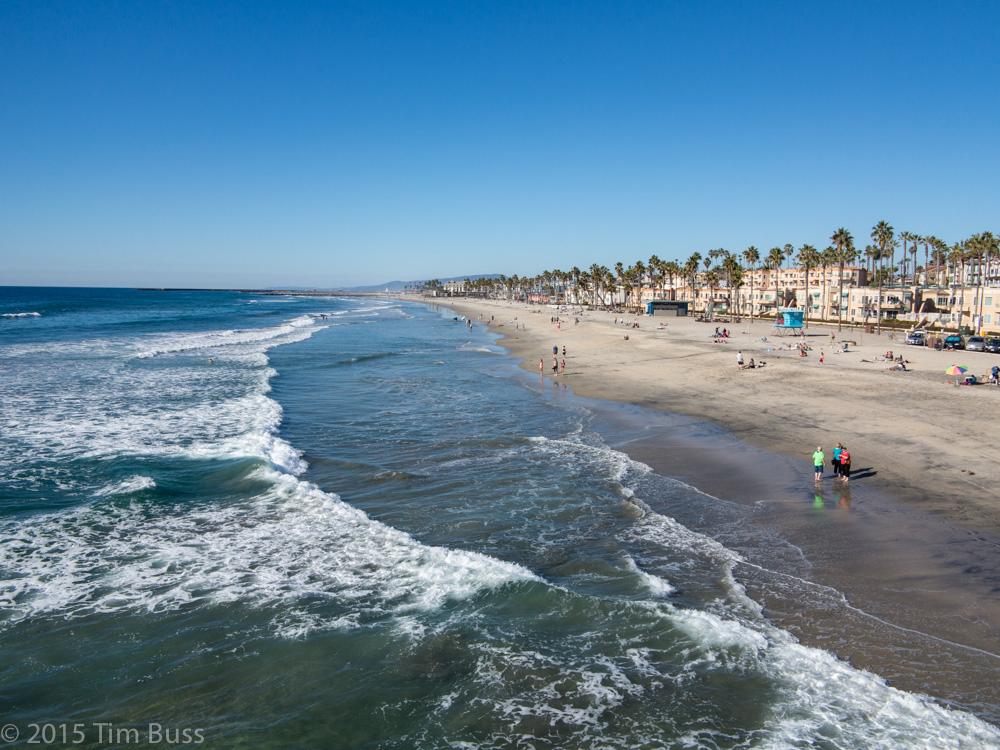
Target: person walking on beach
555	366
835	461
845	465
819	458
541	365
739	358
562	366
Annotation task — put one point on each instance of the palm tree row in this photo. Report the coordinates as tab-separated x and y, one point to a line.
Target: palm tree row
721	269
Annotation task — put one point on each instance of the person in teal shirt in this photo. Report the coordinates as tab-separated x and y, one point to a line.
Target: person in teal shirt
836	459
819	458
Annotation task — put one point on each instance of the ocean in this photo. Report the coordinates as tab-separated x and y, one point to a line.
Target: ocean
285	521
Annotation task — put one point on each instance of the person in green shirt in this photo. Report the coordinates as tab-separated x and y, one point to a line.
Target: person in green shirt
819	458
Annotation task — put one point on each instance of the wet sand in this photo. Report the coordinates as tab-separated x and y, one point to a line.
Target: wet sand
897	578
900	592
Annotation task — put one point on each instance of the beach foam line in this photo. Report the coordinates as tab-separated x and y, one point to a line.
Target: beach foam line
135	483
292	546
839	595
820	695
21	315
290	331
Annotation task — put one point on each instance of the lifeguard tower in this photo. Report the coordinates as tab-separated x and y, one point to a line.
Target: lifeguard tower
789	320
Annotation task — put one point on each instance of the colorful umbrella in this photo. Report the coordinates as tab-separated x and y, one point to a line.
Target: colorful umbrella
956	370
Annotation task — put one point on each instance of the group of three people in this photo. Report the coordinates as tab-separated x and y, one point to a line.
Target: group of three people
841	462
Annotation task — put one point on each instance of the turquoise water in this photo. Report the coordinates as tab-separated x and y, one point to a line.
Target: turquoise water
321	522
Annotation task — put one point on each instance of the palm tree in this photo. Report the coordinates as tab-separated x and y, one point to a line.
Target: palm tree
752	257
734	275
789	250
637	275
845	252
913	239
870	255
989	245
809	258
939	256
712	280
957	256
620	276
829	257
774	260
672	269
980	248
883	236
691	272
655	273
596	277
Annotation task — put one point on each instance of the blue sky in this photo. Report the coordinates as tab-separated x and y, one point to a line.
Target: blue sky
255	143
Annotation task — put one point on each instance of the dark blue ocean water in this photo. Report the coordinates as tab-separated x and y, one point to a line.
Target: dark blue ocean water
321	522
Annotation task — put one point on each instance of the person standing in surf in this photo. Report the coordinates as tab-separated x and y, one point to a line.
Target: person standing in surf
835	461
819	458
845	465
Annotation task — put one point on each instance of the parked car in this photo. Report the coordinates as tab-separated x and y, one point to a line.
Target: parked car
916	338
993	345
975	344
954	342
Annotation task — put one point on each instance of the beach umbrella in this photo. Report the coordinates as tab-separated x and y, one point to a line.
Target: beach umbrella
956	370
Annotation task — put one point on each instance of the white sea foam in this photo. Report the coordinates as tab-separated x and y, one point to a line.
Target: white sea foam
182	342
291	546
468	346
822	701
135	483
21	315
656	585
99	404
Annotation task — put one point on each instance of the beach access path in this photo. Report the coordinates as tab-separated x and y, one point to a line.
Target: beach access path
920	437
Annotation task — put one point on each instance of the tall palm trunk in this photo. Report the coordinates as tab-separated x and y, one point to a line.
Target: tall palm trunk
808	303
776	293
961	299
840	299
878	307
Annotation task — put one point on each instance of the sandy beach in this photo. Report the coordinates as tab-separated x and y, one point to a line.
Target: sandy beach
910	548
914	433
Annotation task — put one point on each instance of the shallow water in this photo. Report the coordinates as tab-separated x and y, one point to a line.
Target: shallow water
349	523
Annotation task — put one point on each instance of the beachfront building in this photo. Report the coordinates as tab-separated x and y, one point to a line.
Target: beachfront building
962	295
455	288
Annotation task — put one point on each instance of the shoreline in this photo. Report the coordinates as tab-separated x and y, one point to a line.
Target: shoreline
917	572
929	458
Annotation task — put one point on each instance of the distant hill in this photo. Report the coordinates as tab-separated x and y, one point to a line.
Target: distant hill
397	286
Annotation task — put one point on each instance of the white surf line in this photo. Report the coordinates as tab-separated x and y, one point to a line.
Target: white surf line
738	560
869	615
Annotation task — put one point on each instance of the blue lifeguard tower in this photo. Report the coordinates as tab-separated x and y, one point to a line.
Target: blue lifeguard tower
789	319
